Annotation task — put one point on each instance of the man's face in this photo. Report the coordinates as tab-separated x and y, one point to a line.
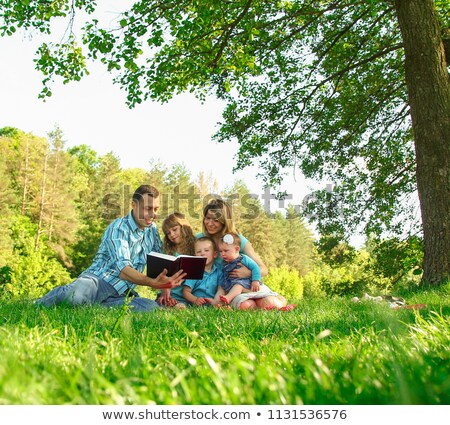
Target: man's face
144	211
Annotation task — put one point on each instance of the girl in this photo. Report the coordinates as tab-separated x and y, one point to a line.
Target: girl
178	239
178	235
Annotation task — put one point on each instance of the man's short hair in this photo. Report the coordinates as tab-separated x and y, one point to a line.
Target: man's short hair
145	189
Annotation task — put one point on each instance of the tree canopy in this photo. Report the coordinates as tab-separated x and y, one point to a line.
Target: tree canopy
355	92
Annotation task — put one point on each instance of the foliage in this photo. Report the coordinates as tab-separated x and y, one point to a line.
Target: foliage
395	258
334	250
34	274
82	252
286	282
31	272
291	72
299	242
100	191
353	277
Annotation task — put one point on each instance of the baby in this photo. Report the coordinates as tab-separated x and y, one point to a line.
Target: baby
230	287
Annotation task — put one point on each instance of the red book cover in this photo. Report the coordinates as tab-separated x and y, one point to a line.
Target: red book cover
192	265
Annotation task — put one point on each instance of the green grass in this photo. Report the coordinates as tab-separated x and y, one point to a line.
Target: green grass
327	351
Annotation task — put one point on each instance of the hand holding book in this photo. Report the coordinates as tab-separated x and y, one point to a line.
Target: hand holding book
162	281
193	266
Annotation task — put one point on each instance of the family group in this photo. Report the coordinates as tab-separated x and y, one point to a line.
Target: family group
232	277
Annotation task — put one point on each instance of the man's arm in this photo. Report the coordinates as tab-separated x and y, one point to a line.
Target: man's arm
160	282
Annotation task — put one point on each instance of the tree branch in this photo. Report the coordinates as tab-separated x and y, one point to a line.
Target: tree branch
228	33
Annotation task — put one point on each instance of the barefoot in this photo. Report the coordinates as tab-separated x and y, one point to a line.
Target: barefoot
270	307
288	307
224	299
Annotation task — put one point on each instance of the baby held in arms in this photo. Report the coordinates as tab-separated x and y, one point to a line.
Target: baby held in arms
231	287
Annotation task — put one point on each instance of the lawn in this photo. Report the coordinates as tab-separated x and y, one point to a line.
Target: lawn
326	351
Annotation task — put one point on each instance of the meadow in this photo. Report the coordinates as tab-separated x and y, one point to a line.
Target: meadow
326	351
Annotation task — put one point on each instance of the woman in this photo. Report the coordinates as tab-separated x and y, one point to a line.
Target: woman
217	222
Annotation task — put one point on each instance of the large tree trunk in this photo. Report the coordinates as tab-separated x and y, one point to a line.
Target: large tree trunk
428	84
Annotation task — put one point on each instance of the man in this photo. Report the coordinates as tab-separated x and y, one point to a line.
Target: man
120	260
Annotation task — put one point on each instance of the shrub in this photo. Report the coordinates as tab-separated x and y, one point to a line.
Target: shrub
349	278
286	282
397	259
34	274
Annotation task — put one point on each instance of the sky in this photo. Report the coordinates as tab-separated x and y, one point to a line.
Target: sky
94	112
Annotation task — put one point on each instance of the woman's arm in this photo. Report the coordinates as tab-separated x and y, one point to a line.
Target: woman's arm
249	250
244	272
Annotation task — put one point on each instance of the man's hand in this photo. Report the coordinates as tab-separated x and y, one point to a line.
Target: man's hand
162	281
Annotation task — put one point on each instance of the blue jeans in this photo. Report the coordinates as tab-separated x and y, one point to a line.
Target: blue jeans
89	289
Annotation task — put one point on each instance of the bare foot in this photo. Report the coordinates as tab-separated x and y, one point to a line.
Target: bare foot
270	307
224	299
288	307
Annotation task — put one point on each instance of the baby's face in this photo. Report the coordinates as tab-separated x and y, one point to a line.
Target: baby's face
228	252
206	250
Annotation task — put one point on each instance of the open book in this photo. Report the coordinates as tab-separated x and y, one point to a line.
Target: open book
192	265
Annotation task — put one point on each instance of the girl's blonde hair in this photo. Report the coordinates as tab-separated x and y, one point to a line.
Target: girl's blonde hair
186	245
222	213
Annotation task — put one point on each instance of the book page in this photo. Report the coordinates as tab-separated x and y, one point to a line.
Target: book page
160	255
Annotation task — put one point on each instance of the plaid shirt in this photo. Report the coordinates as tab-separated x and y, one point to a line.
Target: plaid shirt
124	244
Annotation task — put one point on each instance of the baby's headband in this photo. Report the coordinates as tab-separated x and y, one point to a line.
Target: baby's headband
228	239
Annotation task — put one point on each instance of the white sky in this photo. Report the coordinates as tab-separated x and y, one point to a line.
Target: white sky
93	112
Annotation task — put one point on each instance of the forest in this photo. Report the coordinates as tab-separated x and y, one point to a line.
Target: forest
56	203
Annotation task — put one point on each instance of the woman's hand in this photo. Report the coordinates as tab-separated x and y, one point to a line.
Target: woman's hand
241	272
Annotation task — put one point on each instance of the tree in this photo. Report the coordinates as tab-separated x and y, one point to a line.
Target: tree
61	219
42	202
357	92
23	156
6	200
299	242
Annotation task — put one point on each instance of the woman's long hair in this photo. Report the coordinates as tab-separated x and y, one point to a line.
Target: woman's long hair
187	235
